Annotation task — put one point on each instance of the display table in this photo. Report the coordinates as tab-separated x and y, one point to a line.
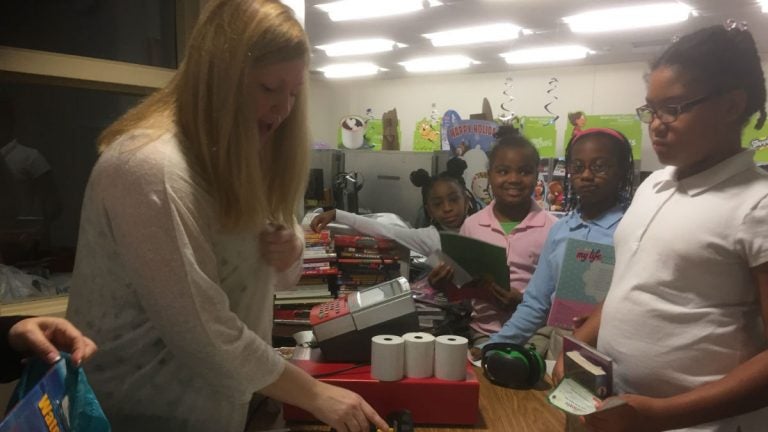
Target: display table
501	409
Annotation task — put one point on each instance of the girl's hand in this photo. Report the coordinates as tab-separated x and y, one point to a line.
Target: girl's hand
476	353
639	414
440	275
280	247
579	321
507	297
322	220
558	372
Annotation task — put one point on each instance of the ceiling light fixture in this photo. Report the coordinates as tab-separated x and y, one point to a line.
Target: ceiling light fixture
475	34
345	10
764	4
357	47
629	17
546	54
350	70
438	63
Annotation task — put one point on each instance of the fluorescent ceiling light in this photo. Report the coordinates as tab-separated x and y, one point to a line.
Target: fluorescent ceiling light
764	4
357	47
630	17
349	70
438	63
344	10
546	54
476	34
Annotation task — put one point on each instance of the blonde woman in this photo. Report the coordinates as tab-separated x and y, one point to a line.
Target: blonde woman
187	227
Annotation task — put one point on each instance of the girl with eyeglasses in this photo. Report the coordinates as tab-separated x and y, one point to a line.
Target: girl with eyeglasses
599	178
686	317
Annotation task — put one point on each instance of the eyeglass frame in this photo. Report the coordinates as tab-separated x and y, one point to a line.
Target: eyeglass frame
597	172
678	109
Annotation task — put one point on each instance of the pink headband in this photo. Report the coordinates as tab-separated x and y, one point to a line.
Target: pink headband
591	131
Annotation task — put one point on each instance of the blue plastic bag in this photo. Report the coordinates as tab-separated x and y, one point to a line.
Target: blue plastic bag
54	398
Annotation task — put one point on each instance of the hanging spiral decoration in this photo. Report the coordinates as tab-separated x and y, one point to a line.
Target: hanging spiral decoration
508	116
552	93
732	24
433	115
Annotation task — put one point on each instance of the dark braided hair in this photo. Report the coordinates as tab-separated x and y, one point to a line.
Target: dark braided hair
626	166
454	172
719	61
508	136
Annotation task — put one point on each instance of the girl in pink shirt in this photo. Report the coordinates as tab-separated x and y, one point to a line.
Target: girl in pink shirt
514	221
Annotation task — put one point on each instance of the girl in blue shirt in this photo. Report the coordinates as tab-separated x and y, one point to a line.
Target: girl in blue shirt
599	179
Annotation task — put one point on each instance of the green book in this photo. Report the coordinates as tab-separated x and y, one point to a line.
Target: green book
478	258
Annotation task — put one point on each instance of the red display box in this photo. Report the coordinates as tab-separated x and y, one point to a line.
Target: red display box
430	400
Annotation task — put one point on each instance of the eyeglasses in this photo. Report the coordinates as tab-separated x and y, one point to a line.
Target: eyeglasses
668	113
597	167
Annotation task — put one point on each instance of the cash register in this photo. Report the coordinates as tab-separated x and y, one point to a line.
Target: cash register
344	327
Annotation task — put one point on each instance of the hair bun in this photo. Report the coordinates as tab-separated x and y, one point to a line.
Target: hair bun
505	131
420	177
456	167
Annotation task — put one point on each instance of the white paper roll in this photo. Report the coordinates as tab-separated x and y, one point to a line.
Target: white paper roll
451	357
387	356
419	354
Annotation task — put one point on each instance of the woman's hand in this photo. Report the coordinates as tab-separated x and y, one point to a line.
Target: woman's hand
344	410
280	247
639	414
322	220
46	336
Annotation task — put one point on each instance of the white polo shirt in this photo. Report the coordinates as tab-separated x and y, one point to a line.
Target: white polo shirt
683	309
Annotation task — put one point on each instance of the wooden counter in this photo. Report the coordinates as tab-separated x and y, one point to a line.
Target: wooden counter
501	409
48	306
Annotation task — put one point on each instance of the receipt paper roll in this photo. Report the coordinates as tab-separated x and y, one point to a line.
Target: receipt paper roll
451	357
387	357
419	354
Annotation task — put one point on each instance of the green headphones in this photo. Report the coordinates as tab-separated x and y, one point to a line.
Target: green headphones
512	365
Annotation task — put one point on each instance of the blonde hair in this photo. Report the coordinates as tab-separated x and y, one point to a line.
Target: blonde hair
206	105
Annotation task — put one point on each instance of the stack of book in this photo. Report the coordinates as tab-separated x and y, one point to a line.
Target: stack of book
365	261
318	279
319	267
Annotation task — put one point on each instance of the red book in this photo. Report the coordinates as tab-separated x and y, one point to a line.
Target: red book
323	272
363	242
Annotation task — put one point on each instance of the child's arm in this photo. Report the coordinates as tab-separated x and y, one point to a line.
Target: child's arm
422	240
586	333
531	314
743	390
508	297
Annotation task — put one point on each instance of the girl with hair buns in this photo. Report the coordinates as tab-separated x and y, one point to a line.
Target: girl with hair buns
447	202
187	228
686	317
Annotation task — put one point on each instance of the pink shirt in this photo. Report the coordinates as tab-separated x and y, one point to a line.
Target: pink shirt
523	246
